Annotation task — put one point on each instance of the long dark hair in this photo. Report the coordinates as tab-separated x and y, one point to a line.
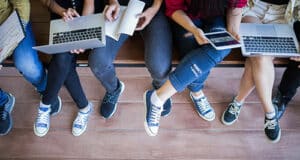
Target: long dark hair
207	8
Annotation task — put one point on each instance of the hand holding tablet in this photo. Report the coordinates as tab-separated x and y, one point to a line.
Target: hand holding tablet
222	40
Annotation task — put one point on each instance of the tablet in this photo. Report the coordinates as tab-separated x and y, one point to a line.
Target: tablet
222	40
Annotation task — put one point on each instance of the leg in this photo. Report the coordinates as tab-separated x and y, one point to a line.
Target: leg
101	63
27	61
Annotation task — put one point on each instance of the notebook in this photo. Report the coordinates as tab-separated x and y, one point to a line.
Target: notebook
83	32
12	33
278	40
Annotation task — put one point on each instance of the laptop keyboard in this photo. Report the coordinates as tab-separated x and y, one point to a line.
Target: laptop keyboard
269	44
77	35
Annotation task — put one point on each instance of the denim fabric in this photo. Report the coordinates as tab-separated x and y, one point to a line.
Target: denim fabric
62	71
3	97
28	63
158	54
197	60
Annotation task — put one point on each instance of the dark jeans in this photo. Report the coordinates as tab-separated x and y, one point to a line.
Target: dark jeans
158	54
290	81
291	77
197	59
62	71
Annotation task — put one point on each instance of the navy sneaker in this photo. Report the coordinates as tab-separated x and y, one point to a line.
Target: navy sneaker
272	129
281	102
6	121
153	114
167	108
110	101
231	114
56	107
203	108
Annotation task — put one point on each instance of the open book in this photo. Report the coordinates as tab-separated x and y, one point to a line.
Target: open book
127	20
11	34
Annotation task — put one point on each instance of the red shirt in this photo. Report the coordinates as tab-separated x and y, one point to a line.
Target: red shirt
174	5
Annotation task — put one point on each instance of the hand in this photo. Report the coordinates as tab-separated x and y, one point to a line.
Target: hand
111	12
70	14
77	51
145	18
235	34
199	36
297	59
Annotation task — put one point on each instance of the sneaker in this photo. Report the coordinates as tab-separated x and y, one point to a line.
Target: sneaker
167	108
153	114
6	121
281	102
272	129
231	114
81	121
203	108
42	122
110	101
56	107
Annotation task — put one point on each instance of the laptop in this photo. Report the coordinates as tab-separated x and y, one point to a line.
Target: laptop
83	32
278	40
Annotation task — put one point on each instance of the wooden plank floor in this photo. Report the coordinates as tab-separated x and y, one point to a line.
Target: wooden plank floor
183	134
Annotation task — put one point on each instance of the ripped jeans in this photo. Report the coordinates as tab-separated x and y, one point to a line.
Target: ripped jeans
197	60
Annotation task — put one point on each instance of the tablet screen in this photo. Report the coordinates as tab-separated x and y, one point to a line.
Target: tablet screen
220	39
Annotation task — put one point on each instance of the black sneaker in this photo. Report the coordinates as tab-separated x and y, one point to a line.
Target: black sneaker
56	107
281	102
272	129
6	121
153	114
110	101
231	114
167	108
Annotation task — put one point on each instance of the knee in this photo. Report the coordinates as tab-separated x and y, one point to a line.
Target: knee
261	61
100	67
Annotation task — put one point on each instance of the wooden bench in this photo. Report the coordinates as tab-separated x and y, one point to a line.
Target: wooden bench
130	54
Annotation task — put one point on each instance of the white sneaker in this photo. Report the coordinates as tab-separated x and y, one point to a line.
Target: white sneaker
80	122
42	121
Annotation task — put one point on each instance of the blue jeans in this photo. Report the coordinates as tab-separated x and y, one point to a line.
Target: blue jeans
3	97
198	60
158	54
28	63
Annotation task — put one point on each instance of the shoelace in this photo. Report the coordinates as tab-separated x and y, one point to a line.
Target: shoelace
203	104
271	124
155	114
43	117
81	119
234	109
3	114
109	98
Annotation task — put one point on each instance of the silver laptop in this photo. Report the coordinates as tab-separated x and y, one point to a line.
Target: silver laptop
277	40
84	32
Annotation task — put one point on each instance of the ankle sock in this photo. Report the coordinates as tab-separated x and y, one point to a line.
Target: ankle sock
270	115
86	109
199	95
156	100
237	102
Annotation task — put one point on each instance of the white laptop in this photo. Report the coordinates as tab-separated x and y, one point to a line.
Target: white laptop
277	40
83	32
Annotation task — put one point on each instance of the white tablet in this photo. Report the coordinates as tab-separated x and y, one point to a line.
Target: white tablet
222	40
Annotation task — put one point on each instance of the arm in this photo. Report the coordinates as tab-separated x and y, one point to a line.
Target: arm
23	7
148	14
234	17
88	7
182	19
54	7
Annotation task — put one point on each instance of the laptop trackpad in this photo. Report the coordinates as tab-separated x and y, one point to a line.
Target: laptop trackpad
266	30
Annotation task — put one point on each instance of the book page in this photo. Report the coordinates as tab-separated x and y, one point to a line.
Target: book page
127	20
112	28
11	33
130	19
